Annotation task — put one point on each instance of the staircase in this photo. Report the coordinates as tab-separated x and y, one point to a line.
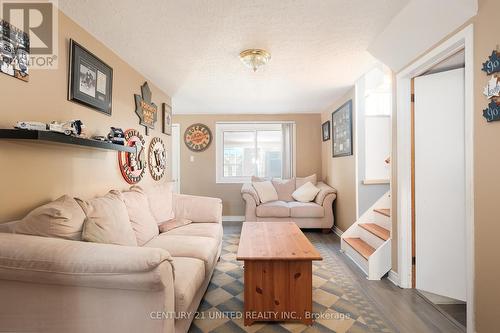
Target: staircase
368	241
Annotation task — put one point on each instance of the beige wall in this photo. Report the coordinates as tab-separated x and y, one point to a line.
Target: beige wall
198	177
340	172
33	172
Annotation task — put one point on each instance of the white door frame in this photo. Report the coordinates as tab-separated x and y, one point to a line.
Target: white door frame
463	40
178	148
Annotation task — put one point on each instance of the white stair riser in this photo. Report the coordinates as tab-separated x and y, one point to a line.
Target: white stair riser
355	256
382	220
371	239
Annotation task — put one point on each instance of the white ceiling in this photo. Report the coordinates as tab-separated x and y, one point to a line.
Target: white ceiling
190	48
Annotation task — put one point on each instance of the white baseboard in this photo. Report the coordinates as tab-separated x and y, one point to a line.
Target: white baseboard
235	218
337	231
393	277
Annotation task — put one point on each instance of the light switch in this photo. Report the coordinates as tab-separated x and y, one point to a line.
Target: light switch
191	158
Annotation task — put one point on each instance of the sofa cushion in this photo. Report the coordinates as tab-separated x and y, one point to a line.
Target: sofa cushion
266	191
141	219
306	209
301	181
173	224
62	218
107	220
306	193
273	209
203	248
284	188
211	230
189	274
160	199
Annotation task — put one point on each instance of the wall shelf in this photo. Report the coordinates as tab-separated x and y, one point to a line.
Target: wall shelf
20	134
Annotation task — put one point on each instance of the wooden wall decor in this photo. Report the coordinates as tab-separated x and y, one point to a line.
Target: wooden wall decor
492	89
492	65
197	137
157	158
145	108
492	112
133	165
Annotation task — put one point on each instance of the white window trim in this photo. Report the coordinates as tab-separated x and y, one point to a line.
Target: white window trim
241	126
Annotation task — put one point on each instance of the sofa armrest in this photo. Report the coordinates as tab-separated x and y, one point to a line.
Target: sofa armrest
74	263
324	191
197	209
251	193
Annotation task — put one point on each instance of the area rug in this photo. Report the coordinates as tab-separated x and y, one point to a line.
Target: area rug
338	305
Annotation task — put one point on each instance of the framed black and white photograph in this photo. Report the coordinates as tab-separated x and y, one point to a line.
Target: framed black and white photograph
325	130
90	79
342	131
166	119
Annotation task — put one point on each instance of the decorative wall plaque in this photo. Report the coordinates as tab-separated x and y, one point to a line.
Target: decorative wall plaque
197	137
342	143
157	158
492	65
145	108
492	89
14	51
492	113
133	165
167	119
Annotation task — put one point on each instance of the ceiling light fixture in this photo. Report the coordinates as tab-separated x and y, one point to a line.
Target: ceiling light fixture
255	58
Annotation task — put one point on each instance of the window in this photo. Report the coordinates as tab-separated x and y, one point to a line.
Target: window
253	149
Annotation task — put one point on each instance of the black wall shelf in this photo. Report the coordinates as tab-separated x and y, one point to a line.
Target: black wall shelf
19	134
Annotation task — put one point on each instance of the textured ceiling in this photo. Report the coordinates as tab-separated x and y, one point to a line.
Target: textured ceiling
190	48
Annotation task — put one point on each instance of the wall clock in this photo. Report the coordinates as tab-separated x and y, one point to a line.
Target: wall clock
197	137
157	158
133	165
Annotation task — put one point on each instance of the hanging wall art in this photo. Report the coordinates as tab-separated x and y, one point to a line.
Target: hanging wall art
157	158
145	108
197	137
14	51
133	165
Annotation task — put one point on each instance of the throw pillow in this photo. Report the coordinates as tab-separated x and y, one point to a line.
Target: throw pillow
62	218
306	193
284	188
107	220
160	199
172	224
142	221
301	181
266	191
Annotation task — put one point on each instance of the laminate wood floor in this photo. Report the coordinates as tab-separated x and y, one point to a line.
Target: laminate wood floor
404	309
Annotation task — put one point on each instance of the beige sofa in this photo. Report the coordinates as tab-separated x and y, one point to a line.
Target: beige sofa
58	285
315	214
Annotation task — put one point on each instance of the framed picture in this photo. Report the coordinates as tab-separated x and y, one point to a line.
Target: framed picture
14	51
166	119
325	129
342	131
90	79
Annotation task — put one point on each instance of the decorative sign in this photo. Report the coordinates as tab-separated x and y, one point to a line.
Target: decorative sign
492	65
157	158
492	89
492	113
167	119
14	51
145	108
197	137
342	130
133	165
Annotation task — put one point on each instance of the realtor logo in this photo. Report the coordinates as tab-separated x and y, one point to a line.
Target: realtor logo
38	19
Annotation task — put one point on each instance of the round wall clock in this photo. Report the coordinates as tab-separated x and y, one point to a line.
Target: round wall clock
197	137
133	165
157	158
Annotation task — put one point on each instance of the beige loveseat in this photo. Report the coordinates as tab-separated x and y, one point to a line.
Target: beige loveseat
59	285
315	214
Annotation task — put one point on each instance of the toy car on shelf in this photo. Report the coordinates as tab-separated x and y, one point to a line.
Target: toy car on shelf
73	127
116	136
31	125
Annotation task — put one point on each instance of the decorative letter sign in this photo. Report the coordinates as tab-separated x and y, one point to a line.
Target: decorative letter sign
492	113
492	89
145	108
492	65
197	137
157	158
133	165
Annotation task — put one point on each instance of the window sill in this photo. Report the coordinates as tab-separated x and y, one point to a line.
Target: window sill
376	181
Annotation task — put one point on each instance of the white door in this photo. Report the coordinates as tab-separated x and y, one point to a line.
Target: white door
440	184
176	156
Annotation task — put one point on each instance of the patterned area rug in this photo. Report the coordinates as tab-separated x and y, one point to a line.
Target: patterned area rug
339	305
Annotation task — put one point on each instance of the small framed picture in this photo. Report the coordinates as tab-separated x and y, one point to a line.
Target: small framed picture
90	79
325	129
166	119
342	144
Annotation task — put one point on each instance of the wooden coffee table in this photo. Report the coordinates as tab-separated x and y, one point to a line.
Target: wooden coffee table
278	272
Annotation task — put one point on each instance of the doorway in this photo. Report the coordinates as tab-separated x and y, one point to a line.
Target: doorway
176	157
463	40
438	197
